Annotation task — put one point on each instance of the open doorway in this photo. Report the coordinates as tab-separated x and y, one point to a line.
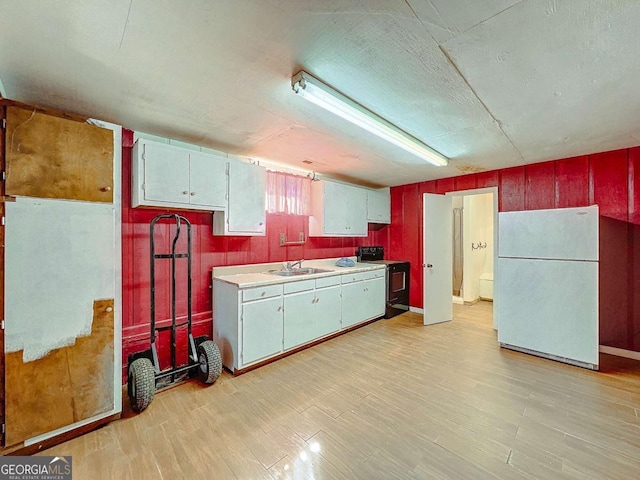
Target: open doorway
438	256
474	240
472	248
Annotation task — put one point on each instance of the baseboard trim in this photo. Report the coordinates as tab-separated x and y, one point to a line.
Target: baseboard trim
416	310
550	356
44	443
620	352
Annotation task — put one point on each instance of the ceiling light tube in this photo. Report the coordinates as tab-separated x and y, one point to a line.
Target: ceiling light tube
312	89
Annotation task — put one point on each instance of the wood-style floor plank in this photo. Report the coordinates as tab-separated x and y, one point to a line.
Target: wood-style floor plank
394	399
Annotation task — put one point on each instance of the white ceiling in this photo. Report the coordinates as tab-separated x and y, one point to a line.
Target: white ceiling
488	83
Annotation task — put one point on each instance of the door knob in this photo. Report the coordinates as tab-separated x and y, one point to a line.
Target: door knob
429	265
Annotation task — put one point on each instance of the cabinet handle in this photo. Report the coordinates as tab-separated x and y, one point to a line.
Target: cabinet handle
193	193
185	192
263	294
105	189
108	309
279	309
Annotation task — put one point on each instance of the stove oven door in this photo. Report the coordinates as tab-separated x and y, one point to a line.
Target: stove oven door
397	288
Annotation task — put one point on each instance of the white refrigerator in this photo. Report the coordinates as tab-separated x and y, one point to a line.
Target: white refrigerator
547	284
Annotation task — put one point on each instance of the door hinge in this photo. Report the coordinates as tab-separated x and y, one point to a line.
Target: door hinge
4	176
3	429
2	324
3	220
4	127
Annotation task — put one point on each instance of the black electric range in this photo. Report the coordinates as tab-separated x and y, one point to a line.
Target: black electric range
397	279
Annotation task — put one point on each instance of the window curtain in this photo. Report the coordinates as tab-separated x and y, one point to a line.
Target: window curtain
288	194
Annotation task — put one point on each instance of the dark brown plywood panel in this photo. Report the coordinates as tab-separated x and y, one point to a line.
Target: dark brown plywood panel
68	385
53	157
38	395
91	365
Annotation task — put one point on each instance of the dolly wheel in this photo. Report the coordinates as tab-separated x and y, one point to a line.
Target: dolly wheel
142	384
210	362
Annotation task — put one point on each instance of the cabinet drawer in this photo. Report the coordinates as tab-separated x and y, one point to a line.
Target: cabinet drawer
328	281
359	276
258	293
301	286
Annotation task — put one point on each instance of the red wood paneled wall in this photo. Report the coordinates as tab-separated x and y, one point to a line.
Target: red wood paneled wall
610	179
207	252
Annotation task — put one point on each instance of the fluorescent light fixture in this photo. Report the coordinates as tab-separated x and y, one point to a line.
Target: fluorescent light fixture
312	89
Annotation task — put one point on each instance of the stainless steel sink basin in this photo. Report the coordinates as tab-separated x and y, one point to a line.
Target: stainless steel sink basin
298	271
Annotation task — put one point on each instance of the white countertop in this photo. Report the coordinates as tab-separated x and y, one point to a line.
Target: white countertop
254	275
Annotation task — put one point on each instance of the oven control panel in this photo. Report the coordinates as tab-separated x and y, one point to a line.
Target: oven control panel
368	254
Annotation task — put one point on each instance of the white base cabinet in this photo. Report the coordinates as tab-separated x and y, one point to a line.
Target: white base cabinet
363	297
254	324
312	313
261	329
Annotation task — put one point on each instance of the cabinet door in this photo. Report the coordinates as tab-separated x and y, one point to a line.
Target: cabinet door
60	290
261	330
299	312
374	298
327	318
362	301
207	180
336	208
247	186
353	307
166	173
379	206
345	209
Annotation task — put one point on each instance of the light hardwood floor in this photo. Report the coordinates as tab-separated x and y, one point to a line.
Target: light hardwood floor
393	399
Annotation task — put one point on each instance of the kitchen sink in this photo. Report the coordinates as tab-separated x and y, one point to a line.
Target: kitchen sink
298	271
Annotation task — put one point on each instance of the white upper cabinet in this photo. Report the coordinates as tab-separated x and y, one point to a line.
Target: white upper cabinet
246	210
207	180
379	205
175	177
338	210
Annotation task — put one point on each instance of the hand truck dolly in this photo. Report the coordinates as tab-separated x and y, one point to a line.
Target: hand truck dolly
204	360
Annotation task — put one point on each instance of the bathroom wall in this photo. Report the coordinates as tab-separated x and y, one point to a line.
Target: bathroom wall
478	242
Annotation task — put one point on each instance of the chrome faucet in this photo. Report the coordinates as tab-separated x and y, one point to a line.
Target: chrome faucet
290	265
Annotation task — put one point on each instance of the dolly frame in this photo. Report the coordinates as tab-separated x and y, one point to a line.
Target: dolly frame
175	372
